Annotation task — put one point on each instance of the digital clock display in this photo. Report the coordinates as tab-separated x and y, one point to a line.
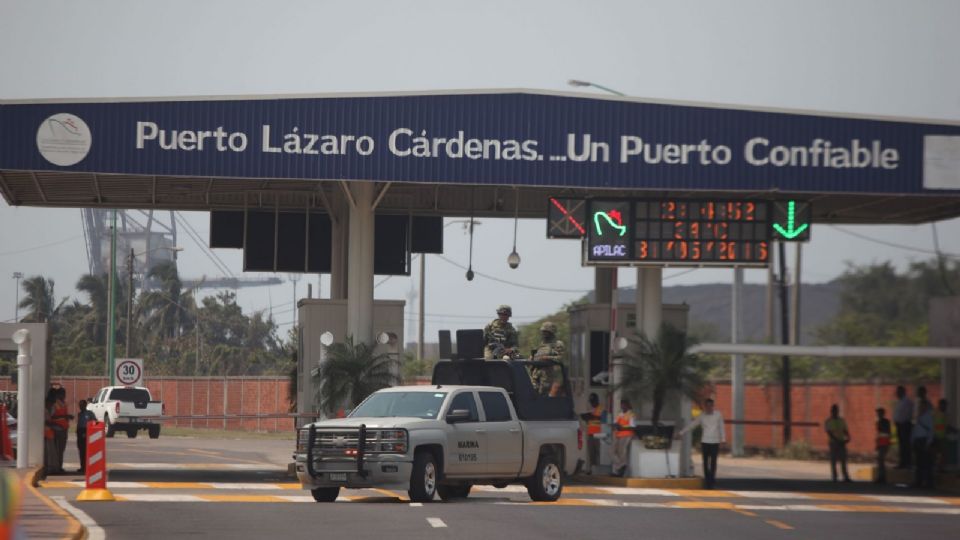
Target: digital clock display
702	232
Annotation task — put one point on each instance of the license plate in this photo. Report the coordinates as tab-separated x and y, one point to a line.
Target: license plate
337	476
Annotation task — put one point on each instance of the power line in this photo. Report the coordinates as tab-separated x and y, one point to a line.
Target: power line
34	248
893	244
521	285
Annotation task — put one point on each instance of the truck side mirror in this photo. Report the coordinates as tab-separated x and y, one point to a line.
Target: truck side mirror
458	415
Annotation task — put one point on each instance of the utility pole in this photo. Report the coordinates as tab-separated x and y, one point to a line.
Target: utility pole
420	316
784	339
111	302
126	351
16	305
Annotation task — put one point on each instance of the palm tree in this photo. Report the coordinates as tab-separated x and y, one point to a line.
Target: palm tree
352	372
96	289
39	299
661	366
164	310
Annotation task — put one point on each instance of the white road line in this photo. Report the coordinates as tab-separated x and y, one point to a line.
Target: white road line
436	523
94	531
416	505
906	499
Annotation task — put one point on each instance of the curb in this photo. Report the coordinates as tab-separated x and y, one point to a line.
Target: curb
658	483
76	530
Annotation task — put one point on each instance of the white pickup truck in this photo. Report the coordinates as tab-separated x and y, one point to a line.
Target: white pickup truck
127	408
491	428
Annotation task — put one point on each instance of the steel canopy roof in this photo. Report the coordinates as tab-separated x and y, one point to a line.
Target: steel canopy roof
457	153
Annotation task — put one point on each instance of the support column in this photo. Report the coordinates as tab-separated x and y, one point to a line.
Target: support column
602	285
649	308
737	362
360	262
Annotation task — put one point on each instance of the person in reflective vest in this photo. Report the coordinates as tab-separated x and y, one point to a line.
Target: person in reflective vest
623	434
940	428
838	436
51	461
883	445
61	418
594	419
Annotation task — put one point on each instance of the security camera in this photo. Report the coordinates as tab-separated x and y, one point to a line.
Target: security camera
601	378
513	260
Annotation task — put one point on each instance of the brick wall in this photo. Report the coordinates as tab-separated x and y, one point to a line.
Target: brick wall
811	403
193	396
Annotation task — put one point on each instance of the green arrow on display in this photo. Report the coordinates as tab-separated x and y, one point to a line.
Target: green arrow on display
791	231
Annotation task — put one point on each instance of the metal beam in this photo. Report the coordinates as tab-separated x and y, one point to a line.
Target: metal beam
828	351
43	196
96	187
383	191
346	191
6	189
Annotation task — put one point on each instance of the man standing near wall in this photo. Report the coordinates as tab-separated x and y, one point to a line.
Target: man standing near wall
839	436
903	418
883	445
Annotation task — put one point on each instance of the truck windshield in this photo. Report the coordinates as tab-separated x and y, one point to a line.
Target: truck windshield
424	405
130	394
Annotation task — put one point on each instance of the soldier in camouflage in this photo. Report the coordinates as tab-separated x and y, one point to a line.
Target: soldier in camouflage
548	380
500	337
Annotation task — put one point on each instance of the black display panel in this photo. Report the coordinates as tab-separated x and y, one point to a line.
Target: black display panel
427	234
566	217
291	242
260	241
226	229
610	232
320	242
391	247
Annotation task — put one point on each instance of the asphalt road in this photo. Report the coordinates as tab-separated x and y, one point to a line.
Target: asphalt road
238	489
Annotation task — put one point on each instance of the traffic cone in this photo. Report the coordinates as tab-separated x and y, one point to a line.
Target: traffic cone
6	447
96	465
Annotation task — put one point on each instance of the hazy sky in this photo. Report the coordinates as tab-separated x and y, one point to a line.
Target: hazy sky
873	57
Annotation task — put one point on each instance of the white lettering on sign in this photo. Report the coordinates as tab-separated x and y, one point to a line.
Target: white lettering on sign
406	142
608	250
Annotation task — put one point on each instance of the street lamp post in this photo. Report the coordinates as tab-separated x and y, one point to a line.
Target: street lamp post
16	305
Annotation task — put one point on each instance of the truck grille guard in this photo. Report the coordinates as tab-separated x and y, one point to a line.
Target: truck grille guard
361	450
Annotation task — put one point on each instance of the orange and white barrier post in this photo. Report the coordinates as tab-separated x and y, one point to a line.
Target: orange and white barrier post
96	465
6	447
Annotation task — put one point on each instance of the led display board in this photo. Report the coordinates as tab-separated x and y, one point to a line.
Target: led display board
676	232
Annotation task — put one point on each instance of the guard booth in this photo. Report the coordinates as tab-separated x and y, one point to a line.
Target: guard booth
588	356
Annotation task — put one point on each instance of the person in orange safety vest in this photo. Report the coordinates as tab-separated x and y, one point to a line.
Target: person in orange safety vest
594	419
623	433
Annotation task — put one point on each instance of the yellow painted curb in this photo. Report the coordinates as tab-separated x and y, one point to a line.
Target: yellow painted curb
90	495
76	531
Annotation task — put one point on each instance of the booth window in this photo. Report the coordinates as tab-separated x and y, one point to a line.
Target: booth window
599	354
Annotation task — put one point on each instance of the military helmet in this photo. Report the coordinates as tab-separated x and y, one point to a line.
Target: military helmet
548	327
504	309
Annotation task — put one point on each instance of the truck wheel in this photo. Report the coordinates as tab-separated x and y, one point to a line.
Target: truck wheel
423	478
132	433
448	493
108	428
325	494
546	484
154	432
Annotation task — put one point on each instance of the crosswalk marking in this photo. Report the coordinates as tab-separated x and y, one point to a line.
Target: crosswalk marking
568	490
566	501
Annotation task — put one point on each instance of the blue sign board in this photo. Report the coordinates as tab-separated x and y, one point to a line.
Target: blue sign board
514	138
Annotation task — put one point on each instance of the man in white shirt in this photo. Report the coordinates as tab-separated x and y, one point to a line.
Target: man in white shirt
713	435
903	419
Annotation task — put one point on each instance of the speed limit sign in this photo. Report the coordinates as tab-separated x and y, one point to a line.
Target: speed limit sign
129	371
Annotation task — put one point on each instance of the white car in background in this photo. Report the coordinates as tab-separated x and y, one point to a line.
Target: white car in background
127	408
